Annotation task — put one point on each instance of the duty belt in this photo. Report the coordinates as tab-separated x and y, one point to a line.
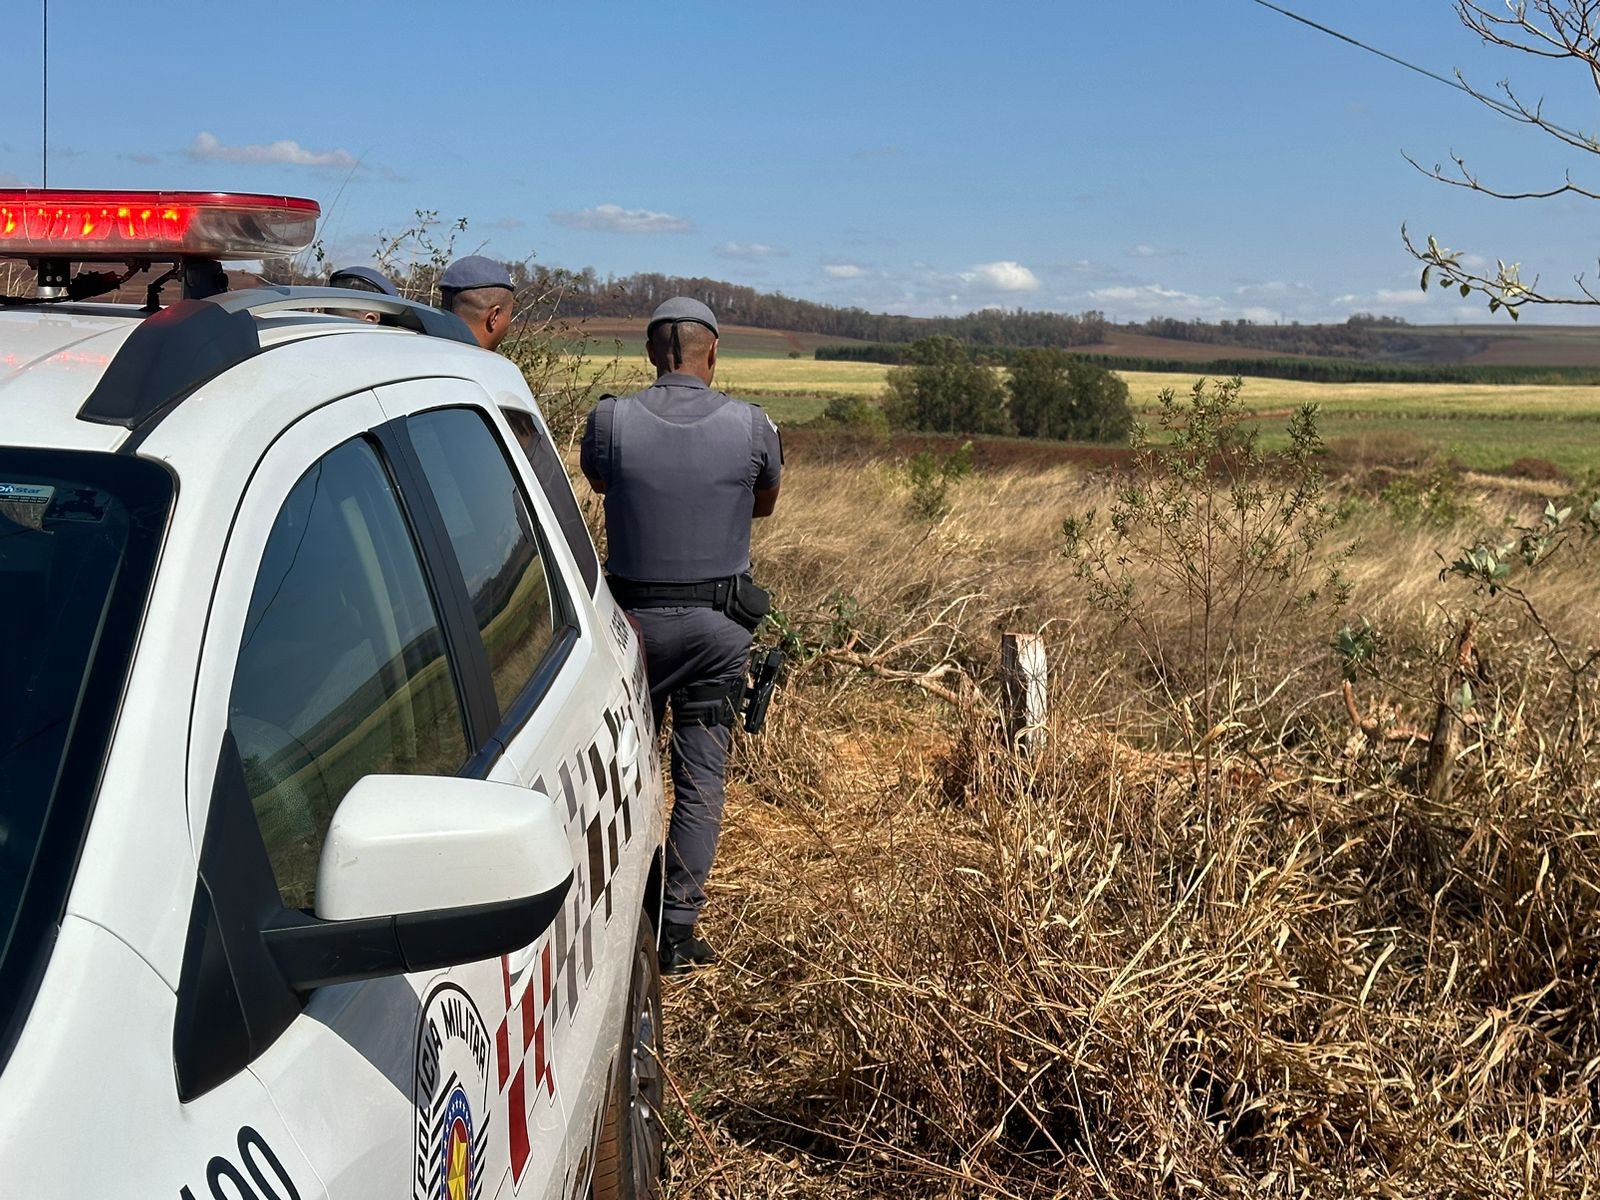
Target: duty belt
637	593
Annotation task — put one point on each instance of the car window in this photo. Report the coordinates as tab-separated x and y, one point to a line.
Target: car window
552	476
489	524
342	669
79	536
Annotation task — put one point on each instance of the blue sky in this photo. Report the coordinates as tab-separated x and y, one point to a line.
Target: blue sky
1193	158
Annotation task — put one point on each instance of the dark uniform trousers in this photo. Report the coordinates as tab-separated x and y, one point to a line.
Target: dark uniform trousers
688	647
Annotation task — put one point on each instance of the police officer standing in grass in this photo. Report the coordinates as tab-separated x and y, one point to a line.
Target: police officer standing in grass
480	292
684	469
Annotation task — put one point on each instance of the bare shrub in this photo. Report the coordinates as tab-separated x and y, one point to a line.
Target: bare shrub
1210	545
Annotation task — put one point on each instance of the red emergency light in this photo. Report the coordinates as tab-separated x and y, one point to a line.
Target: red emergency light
81	225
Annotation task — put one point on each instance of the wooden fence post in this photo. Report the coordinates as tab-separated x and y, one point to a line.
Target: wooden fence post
1025	681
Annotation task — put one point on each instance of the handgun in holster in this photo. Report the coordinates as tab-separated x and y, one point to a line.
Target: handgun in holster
758	694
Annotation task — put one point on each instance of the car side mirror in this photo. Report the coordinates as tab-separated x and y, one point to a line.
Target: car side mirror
420	872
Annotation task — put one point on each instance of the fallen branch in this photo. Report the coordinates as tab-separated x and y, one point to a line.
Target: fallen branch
928	681
1374	730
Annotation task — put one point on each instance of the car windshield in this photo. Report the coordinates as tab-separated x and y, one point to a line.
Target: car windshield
78	539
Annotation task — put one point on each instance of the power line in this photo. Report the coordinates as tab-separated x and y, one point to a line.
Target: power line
1508	110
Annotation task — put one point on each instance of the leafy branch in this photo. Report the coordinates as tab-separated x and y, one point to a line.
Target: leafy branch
1555	30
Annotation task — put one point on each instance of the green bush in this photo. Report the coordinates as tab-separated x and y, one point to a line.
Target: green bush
854	414
942	390
931	477
1056	395
1433	500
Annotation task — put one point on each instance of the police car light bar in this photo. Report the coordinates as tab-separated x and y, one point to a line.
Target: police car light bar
80	225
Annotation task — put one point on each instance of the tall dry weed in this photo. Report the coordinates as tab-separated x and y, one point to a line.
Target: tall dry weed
952	972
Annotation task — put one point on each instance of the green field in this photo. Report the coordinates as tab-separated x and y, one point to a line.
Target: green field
1485	428
1481	427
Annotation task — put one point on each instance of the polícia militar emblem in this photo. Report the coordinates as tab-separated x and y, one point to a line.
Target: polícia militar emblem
451	1094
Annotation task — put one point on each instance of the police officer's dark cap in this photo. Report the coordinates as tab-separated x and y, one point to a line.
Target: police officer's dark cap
475	271
375	280
683	308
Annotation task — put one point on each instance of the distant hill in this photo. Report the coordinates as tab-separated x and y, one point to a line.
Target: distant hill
1382	339
1453	346
584	294
1521	345
791	324
1124	341
738	340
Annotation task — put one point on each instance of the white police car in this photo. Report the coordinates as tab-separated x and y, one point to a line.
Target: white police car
330	815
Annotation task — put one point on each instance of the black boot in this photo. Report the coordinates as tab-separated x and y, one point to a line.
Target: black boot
682	951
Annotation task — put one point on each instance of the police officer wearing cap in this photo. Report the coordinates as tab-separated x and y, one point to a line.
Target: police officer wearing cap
684	469
363	279
480	292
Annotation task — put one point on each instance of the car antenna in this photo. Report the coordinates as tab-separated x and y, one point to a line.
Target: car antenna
44	58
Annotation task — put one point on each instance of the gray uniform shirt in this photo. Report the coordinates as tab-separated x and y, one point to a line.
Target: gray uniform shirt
681	463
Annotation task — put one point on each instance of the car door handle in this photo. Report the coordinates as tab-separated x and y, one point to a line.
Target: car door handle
518	961
628	745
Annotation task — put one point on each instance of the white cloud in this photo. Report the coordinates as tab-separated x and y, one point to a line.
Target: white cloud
1137	301
748	251
1384	298
1143	291
1273	289
613	218
1144	250
843	270
207	147
1401	296
1004	276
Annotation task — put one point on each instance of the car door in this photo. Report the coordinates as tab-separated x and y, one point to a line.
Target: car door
565	726
336	648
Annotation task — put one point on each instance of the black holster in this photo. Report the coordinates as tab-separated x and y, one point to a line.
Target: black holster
709	704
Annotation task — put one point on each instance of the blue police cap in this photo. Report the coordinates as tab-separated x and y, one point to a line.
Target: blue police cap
683	308
475	271
376	279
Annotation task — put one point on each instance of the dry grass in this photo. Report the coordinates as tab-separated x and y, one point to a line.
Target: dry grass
950	973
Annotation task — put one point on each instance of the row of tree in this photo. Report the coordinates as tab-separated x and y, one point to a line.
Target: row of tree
586	294
1362	336
1307	370
1047	393
1351	370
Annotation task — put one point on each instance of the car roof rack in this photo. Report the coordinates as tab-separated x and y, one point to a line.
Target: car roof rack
175	351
